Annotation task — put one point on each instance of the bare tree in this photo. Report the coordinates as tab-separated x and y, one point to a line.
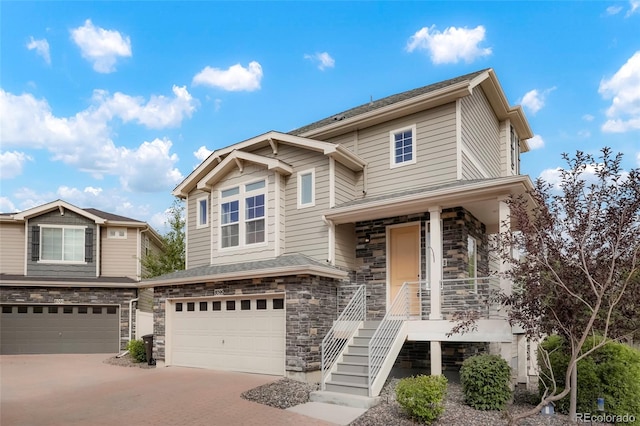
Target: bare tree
578	276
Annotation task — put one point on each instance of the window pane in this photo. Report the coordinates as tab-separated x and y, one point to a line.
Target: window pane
191	306
306	189
51	244
202	216
261	304
216	306
230	212
230	235
278	303
231	305
245	305
74	245
178	307
230	192
255	206
37	309
255	231
254	186
403	144
203	306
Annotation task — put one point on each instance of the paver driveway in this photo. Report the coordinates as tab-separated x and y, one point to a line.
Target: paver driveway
81	389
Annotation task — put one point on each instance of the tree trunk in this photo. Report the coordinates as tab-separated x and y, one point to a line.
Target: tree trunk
573	396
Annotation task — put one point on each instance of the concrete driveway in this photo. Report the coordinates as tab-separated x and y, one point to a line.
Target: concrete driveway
81	390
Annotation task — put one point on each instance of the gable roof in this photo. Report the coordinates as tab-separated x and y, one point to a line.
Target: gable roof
414	100
272	138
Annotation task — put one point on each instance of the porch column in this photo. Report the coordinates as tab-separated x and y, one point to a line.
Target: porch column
435	259
436	358
523	376
504	220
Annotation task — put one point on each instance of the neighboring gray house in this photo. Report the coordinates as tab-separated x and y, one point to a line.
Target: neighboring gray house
69	279
391	203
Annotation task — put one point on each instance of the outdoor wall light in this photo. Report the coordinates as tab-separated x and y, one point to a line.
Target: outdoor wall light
367	238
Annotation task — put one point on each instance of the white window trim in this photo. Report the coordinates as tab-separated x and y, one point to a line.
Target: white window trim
392	147
313	188
240	197
199	221
116	236
68	262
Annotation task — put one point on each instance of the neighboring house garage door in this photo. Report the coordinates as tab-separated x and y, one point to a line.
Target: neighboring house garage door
59	329
237	334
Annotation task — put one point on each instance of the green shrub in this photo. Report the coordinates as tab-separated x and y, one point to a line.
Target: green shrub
137	350
611	372
422	396
486	382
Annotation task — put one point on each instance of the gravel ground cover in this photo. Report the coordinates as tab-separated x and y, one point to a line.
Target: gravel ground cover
287	393
127	361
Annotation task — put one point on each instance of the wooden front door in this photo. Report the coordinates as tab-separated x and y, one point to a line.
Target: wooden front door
404	261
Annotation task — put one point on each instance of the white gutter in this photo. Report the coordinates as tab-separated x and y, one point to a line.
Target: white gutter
130	308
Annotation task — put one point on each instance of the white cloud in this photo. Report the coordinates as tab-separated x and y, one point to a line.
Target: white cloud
234	79
41	47
588	117
624	91
324	60
584	134
7	206
450	46
552	176
536	142
534	100
101	47
634	6
202	153
12	163
614	10
159	112
84	140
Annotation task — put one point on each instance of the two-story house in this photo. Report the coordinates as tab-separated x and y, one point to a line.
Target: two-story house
387	207
69	279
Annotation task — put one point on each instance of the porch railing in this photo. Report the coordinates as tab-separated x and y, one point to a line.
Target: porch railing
401	309
470	294
343	330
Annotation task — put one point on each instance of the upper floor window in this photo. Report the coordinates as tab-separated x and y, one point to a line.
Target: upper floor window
306	188
203	212
403	146
117	233
243	215
515	151
62	244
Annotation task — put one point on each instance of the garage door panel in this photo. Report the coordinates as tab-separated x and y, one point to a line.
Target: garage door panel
38	329
249	340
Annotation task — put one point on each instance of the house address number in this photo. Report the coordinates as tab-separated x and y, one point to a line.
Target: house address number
59	301
218	292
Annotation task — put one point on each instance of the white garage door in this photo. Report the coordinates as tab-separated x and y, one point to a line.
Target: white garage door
237	334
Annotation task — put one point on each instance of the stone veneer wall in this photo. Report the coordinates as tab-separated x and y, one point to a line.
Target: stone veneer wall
310	303
77	296
371	257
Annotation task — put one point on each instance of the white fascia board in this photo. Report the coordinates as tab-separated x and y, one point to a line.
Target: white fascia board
76	284
444	196
35	211
256	273
230	162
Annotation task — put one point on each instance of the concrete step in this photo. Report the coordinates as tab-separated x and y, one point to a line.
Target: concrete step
357	358
347	388
358	350
371	324
351	378
360	340
352	367
366	332
348	400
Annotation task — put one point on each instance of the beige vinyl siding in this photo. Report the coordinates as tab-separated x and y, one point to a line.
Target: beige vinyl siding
346	246
119	255
198	239
250	173
435	152
469	170
345	184
12	248
481	132
306	233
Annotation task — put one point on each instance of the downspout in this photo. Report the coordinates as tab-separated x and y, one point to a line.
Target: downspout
130	327
332	238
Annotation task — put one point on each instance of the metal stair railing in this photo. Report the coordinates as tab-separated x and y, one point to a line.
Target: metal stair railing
342	331
400	310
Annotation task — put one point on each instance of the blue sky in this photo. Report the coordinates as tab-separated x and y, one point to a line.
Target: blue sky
110	104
